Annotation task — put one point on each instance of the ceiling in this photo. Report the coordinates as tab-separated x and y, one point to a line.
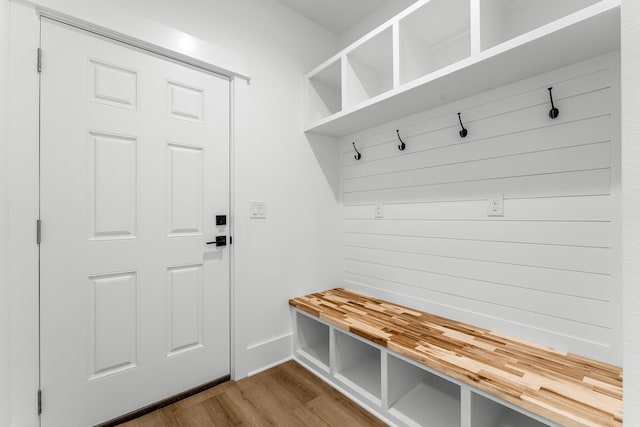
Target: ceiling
335	15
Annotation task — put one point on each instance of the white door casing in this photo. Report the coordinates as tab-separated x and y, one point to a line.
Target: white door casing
134	168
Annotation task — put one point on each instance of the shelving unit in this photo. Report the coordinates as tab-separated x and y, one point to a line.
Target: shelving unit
421	398
438	51
399	390
488	413
313	340
358	366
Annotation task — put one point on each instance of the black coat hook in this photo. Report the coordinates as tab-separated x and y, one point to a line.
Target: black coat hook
554	112
358	156
402	145
463	133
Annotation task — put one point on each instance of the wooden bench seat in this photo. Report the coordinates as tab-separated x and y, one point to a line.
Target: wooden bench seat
562	387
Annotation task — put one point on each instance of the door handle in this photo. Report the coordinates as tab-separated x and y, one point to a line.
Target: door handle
220	241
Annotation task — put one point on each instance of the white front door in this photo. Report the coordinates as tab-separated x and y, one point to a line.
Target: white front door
134	169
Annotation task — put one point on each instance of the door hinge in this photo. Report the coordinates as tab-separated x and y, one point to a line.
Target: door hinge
38	231
39	60
39	402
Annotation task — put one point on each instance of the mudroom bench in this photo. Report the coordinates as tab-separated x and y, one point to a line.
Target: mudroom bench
414	368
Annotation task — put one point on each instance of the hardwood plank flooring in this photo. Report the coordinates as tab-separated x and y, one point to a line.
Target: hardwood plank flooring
286	395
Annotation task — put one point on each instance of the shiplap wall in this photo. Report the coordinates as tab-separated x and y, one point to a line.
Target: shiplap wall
549	270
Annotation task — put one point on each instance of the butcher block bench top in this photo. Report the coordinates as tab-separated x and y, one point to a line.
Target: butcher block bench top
568	389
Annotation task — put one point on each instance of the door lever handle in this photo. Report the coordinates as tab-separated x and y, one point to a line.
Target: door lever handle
220	241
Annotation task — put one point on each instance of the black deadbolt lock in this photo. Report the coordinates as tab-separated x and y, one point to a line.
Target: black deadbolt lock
221	220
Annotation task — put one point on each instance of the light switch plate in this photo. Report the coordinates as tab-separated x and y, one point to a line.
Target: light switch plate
257	209
495	205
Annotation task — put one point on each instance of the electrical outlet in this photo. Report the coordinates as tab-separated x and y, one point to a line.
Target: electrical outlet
257	210
378	210
495	205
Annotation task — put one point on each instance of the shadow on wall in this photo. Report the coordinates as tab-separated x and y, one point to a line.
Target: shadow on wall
327	152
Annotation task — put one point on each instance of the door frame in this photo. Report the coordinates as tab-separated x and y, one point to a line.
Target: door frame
23	171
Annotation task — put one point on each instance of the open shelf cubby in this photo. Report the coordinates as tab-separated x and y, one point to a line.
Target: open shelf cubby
324	92
502	20
358	365
420	398
434	36
488	413
313	340
370	68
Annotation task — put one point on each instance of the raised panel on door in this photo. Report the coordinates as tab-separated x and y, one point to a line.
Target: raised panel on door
112	185
112	311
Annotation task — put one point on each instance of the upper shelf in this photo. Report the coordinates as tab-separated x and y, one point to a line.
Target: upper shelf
438	51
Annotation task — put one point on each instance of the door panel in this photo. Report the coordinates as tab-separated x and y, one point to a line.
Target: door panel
134	169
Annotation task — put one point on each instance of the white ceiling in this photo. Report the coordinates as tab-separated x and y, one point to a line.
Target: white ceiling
335	15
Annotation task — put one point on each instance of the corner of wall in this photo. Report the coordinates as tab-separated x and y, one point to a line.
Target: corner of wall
631	208
5	414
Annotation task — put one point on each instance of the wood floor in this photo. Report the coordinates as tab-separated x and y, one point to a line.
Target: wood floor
287	395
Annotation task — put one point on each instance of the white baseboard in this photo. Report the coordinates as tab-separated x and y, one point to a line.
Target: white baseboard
269	353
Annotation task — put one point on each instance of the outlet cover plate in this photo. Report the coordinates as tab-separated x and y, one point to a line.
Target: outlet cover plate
378	210
495	205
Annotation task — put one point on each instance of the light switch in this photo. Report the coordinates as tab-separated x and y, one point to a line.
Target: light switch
257	210
495	205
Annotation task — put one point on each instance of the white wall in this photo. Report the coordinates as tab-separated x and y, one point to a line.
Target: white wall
292	251
631	207
4	287
547	271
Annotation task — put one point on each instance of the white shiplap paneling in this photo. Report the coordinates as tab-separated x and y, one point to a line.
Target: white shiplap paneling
548	270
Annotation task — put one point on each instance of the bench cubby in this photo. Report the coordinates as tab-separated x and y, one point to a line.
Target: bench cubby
489	413
357	364
313	340
419	397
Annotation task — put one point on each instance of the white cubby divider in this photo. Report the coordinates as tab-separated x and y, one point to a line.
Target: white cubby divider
433	36
399	390
439	51
503	20
324	92
369	69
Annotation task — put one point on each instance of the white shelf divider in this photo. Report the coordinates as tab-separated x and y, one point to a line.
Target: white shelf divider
439	51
